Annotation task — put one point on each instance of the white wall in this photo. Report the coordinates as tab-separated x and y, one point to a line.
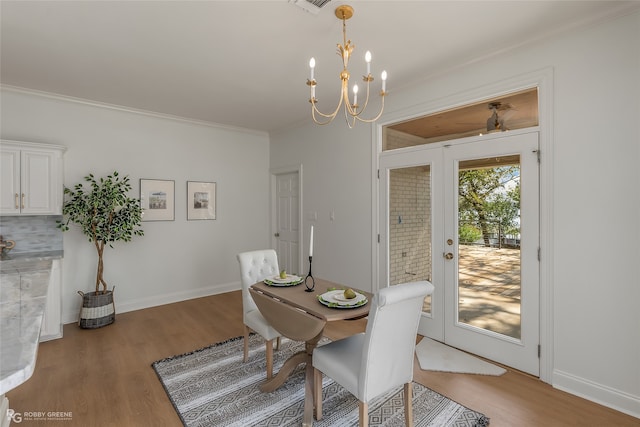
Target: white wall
337	178
592	256
174	260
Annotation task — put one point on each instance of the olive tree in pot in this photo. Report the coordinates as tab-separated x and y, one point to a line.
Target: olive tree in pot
106	214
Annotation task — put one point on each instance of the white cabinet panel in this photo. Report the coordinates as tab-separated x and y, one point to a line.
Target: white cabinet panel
10	182
52	322
31	178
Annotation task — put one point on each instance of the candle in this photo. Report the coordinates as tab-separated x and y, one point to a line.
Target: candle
355	95
367	57
311	243
312	65
384	80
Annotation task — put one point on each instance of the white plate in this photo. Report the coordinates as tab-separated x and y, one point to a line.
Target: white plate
337	297
290	279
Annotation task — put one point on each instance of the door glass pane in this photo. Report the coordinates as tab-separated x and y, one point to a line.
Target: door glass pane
489	282
410	226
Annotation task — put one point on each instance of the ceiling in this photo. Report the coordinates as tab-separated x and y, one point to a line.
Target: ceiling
245	63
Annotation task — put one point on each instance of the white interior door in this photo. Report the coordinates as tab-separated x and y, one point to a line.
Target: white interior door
482	260
287	221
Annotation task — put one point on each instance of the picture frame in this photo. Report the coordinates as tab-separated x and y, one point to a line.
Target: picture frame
157	199
201	200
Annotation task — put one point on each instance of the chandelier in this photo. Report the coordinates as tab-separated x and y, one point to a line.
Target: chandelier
352	110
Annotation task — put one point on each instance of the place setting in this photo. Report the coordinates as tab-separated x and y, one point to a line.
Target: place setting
342	298
283	279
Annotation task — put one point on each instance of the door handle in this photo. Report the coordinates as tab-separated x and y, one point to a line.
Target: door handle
22	200
277	234
448	255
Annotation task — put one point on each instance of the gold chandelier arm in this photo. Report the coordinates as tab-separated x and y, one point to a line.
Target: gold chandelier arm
351	123
316	112
329	117
350	111
374	118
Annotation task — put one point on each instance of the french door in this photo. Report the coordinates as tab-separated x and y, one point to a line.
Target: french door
465	216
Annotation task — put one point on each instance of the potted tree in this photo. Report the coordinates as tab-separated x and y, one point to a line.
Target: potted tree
106	214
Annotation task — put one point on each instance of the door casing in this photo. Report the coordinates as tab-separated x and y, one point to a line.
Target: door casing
415	156
542	79
273	202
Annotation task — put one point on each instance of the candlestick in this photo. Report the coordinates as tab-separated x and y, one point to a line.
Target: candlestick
309	276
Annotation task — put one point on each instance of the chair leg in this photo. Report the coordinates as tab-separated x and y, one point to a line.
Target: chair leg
317	393
278	343
269	345
408	404
363	414
246	343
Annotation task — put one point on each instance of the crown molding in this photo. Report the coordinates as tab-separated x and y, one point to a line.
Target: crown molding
98	104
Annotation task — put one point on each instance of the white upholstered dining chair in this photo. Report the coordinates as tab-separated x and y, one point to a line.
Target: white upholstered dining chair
380	359
255	266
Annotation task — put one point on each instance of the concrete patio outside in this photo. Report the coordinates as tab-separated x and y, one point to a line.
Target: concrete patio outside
489	280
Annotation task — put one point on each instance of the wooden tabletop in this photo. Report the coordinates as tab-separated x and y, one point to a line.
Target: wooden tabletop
308	301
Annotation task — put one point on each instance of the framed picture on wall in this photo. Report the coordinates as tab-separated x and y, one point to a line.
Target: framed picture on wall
157	197
201	200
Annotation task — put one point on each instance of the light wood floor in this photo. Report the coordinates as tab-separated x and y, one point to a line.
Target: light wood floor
104	376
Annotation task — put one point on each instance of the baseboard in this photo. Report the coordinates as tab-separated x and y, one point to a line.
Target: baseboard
156	300
598	393
50	337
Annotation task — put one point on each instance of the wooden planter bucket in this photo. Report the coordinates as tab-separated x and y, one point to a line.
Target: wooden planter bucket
98	309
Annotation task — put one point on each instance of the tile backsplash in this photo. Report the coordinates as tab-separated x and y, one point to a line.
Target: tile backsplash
32	233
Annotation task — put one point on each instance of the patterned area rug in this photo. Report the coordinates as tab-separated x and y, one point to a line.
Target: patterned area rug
213	387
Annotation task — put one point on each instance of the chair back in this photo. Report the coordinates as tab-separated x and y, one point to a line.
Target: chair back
390	338
255	266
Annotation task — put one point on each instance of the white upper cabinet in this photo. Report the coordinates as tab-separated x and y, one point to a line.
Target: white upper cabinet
31	180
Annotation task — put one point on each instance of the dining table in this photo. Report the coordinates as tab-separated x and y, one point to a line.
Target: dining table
302	316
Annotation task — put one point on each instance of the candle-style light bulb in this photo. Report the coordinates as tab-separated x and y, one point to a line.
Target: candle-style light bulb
355	94
367	57
312	65
384	80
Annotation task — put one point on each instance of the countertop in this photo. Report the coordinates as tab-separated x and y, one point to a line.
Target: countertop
9	259
22	305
